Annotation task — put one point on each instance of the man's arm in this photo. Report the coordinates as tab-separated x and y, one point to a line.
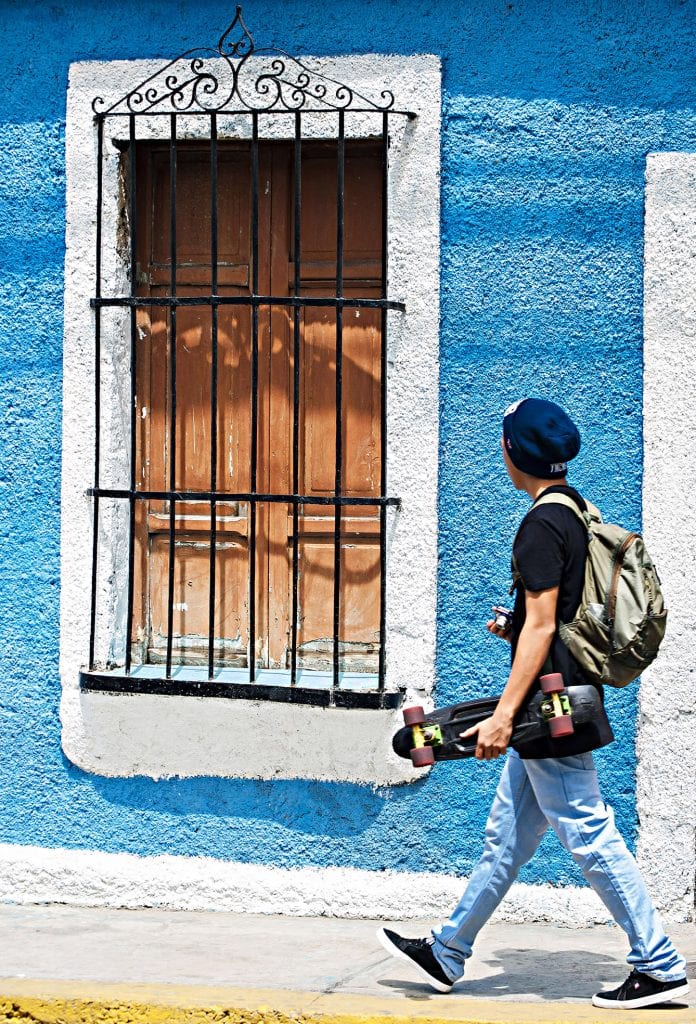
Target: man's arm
532	648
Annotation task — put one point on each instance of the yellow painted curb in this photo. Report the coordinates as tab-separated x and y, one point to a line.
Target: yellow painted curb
73	1002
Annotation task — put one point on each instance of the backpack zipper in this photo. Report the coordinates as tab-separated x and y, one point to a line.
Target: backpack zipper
616	573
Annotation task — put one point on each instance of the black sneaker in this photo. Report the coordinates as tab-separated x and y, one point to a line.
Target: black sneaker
419	953
640	990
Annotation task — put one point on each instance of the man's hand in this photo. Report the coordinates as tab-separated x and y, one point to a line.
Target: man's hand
493	736
533	645
496	630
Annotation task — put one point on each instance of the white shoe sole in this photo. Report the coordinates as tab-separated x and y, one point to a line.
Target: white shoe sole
395	951
637	1004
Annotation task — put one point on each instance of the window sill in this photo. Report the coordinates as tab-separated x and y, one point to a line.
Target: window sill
122	726
355	690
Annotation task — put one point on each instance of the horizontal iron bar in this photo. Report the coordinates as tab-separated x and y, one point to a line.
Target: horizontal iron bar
371	699
246	300
223	496
410	114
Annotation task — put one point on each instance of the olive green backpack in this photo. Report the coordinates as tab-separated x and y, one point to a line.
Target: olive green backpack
621	619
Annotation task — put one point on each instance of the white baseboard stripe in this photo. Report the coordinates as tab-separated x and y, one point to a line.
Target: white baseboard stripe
31	874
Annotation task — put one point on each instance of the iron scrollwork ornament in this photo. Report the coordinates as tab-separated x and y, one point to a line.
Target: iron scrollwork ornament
224	80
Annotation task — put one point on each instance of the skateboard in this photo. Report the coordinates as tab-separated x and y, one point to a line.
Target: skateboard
430	736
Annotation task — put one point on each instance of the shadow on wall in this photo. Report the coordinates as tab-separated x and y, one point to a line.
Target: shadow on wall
419	827
341	809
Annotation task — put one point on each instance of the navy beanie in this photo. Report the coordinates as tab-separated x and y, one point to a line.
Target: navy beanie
540	438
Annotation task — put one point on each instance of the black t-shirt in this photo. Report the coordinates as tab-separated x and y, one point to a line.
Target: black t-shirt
550	550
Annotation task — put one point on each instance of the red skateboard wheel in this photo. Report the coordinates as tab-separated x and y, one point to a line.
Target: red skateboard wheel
561	726
551	683
422	756
414	715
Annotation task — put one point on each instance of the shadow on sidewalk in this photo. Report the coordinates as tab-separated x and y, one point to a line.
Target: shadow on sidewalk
525	974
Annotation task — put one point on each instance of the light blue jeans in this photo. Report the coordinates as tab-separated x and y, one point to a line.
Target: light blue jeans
564	793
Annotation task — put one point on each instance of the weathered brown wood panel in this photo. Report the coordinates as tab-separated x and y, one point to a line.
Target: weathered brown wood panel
194	347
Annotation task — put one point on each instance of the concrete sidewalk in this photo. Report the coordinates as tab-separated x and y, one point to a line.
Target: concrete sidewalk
82	966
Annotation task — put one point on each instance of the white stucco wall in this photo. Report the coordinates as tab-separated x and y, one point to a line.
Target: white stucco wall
163	736
667	726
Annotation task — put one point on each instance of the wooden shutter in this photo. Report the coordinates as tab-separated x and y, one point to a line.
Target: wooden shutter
360	562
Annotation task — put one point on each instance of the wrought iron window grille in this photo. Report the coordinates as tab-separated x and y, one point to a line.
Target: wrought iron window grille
222	80
210	83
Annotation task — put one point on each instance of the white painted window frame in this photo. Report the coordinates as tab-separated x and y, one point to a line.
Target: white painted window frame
160	736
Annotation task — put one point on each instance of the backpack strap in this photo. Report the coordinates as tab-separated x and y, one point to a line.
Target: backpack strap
586	517
589	516
592	514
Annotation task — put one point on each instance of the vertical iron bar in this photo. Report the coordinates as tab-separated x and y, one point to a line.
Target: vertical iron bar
340	198
214	387
296	391
254	387
383	411
97	395
172	396
133	372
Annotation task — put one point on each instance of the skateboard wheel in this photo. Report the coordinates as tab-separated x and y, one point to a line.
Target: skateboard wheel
414	715
562	726
551	683
422	756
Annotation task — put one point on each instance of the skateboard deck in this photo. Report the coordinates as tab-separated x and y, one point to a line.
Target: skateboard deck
441	728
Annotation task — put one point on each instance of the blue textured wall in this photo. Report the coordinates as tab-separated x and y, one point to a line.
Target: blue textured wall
549	111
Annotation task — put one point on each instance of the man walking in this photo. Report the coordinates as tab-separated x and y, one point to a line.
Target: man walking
548	782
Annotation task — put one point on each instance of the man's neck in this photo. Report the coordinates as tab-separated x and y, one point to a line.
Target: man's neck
534	486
